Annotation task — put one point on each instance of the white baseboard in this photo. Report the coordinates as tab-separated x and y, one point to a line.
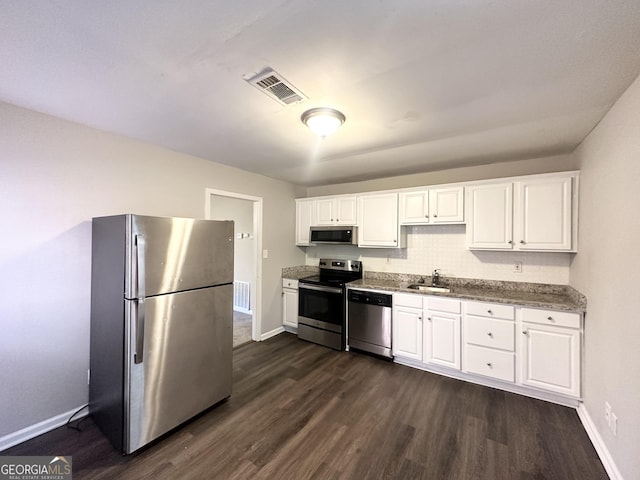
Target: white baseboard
45	426
272	333
598	443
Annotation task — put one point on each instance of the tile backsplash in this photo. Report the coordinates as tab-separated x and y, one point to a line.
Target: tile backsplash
444	247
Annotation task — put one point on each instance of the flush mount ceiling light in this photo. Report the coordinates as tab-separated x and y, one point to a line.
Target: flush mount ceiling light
323	121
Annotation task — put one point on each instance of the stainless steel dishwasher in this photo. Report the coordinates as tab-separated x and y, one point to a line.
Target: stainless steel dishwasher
369	322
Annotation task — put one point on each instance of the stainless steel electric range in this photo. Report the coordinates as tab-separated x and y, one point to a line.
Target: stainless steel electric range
322	302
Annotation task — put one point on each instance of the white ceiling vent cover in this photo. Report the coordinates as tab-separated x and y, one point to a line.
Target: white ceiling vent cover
274	85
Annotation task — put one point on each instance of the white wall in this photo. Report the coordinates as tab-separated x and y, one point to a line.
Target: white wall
558	163
54	177
241	212
607	271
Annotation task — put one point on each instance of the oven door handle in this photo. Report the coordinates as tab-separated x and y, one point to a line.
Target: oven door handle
319	288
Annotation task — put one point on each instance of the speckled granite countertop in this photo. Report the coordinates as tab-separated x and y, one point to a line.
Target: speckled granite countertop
537	295
296	273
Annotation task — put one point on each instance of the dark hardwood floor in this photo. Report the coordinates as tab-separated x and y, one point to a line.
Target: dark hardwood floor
301	411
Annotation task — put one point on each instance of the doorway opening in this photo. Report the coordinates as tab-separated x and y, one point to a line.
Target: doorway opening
246	213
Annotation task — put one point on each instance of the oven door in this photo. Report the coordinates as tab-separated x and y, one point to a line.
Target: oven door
321	306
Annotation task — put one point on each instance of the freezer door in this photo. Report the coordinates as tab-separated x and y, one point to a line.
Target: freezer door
166	255
186	366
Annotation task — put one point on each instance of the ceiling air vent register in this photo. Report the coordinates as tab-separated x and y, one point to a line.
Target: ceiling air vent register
275	86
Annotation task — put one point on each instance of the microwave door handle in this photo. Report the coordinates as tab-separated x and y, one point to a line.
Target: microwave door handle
140	311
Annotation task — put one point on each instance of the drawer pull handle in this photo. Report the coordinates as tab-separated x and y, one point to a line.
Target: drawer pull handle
490	334
489	364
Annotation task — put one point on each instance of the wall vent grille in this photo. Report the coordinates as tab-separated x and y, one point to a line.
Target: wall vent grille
275	86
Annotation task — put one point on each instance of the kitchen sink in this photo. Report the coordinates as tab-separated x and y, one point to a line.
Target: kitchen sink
429	288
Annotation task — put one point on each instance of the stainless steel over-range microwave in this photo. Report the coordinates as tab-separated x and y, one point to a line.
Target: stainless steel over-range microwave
336	235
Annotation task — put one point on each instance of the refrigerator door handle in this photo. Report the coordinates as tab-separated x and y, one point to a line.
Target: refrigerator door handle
140	262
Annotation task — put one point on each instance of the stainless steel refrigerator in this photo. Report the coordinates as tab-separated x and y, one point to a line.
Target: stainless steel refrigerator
161	323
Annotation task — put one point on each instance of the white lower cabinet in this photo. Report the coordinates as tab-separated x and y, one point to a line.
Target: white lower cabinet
535	350
551	354
489	340
442	332
290	303
407	326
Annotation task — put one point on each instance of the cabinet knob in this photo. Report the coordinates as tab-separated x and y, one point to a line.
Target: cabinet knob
489	312
435	214
489	364
429	318
510	242
426	216
550	319
524	332
490	334
337	219
420	318
522	242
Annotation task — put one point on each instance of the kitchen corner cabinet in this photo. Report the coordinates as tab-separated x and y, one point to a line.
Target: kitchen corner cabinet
305	217
378	225
551	350
432	206
535	214
290	304
407	326
336	211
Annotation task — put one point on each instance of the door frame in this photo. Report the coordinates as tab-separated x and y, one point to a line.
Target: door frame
256	293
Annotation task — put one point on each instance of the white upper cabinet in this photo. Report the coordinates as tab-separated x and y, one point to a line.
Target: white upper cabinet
305	217
378	225
544	214
534	214
336	211
414	207
432	206
490	216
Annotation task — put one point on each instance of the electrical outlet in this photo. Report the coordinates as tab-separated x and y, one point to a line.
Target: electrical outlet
614	424
265	253
607	413
517	267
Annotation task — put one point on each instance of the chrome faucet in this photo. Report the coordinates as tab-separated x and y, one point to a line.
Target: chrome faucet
435	277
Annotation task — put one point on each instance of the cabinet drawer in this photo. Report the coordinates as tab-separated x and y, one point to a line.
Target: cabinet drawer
443	305
289	283
551	317
493	310
489	332
407	300
489	362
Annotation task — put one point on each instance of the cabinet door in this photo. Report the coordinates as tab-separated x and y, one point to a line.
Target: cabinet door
407	333
290	307
446	205
442	340
325	211
378	226
489	224
551	358
346	211
543	214
414	207
305	215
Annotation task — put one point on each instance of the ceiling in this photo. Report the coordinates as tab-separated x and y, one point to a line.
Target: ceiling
424	84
